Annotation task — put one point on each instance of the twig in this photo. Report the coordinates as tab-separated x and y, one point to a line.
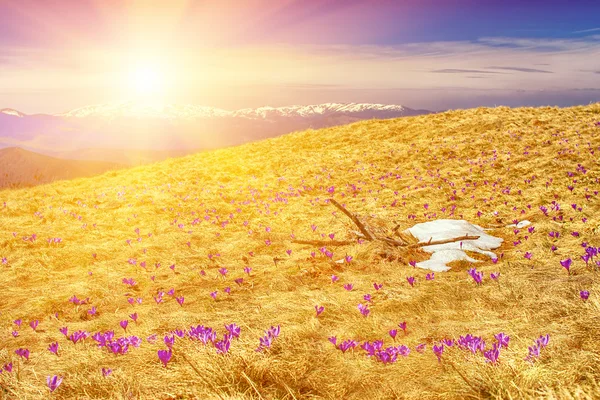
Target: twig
359	224
325	242
392	242
430	243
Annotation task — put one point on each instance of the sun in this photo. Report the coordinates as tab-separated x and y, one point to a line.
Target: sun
148	80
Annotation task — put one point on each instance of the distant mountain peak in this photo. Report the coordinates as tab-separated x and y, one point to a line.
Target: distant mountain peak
132	109
13	112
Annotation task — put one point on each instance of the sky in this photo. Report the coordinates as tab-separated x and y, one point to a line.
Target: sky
56	55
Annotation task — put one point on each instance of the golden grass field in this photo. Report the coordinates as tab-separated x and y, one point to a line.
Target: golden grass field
509	161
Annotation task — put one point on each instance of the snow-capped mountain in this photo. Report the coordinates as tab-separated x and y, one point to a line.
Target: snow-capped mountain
108	132
10	111
130	109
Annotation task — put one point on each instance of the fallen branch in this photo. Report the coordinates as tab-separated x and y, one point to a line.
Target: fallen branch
325	242
392	242
430	243
359	224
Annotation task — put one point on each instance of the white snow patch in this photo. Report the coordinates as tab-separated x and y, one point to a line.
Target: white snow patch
444	229
520	225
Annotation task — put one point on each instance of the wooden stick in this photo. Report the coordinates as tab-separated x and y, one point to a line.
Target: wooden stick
325	242
392	242
359	224
430	243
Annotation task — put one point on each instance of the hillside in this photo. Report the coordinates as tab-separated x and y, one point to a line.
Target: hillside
150	253
22	168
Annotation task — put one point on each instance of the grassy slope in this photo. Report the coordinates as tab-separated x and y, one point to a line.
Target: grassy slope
259	183
21	168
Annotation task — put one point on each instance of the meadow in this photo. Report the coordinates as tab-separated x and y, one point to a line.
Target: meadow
180	279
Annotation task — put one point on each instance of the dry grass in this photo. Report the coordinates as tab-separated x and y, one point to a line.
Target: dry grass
281	183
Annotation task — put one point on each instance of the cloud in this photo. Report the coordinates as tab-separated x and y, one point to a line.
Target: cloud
462	71
588	30
519	69
234	77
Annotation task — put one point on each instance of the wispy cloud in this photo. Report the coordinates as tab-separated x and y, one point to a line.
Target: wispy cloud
462	71
520	69
588	30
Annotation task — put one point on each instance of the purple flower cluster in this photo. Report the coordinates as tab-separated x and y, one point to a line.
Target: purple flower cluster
116	346
266	340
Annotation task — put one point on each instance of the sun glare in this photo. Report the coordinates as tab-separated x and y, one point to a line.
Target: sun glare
148	80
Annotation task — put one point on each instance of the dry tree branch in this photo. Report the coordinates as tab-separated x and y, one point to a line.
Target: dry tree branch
359	224
325	242
430	243
369	236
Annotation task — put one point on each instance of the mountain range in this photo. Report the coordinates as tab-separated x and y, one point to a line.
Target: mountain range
131	132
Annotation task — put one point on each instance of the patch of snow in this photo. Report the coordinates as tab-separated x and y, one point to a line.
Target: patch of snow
520	225
444	229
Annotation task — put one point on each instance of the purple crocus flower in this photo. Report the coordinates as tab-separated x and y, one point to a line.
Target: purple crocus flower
584	294
23	353
348	286
502	339
411	280
213	295
106	372
319	309
34	324
180	300
334	278
233	330
493	354
53	382
476	275
124	324
169	340
165	356
566	264
222	346
53	348
543	340
377	286
438	350
402	325
364	309
393	333
528	255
